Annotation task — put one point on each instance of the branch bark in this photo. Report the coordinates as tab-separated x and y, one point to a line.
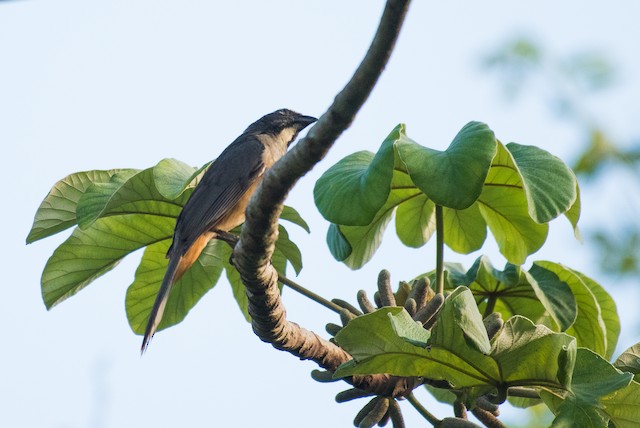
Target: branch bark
253	252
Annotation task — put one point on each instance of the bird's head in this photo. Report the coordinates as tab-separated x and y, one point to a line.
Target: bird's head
283	124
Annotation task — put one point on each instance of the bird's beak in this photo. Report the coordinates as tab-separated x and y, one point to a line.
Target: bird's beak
305	121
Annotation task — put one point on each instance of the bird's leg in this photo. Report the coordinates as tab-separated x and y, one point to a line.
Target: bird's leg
227	237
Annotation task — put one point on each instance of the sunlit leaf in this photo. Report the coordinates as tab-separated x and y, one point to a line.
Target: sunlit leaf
290	214
597	392
352	191
136	194
529	353
629	361
57	211
452	178
171	177
622	406
503	205
415	221
588	328
185	293
360	243
549	184
464	230
88	254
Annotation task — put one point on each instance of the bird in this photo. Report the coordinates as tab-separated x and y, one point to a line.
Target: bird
219	200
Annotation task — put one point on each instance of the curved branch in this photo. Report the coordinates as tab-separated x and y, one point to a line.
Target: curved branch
253	253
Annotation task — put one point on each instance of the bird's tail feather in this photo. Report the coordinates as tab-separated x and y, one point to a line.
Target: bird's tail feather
161	301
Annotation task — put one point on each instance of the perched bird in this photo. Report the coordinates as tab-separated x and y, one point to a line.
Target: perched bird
219	201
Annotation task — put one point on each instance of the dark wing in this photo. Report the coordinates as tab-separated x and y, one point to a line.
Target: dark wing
222	186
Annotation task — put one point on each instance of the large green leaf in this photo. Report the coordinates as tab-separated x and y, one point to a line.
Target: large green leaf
416	221
290	214
199	279
555	295
588	326
460	321
452	178
597	392
629	361
530	354
622	406
88	254
608	312
503	205
352	191
355	245
464	230
57	211
136	194
172	177
549	184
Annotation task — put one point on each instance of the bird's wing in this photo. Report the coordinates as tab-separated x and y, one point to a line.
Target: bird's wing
222	186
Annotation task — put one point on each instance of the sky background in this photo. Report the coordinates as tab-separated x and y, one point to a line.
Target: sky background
105	84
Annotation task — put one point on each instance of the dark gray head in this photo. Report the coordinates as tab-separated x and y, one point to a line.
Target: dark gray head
274	123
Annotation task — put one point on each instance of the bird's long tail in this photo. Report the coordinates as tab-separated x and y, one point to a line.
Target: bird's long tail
178	265
161	300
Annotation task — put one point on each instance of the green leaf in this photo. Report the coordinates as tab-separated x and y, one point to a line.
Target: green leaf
629	361
363	241
352	191
573	214
464	230
530	354
461	313
554	294
608	312
88	254
416	221
549	184
452	178
595	377
288	251
503	205
622	406
573	415
594	384
199	279
238	290
171	177
338	244
588	328
57	211
136	194
290	214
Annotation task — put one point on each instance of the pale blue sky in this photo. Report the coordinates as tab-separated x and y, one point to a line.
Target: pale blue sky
103	84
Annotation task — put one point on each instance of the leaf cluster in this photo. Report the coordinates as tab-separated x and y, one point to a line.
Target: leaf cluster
118	212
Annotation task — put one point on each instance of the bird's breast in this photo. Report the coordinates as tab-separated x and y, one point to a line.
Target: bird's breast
274	146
